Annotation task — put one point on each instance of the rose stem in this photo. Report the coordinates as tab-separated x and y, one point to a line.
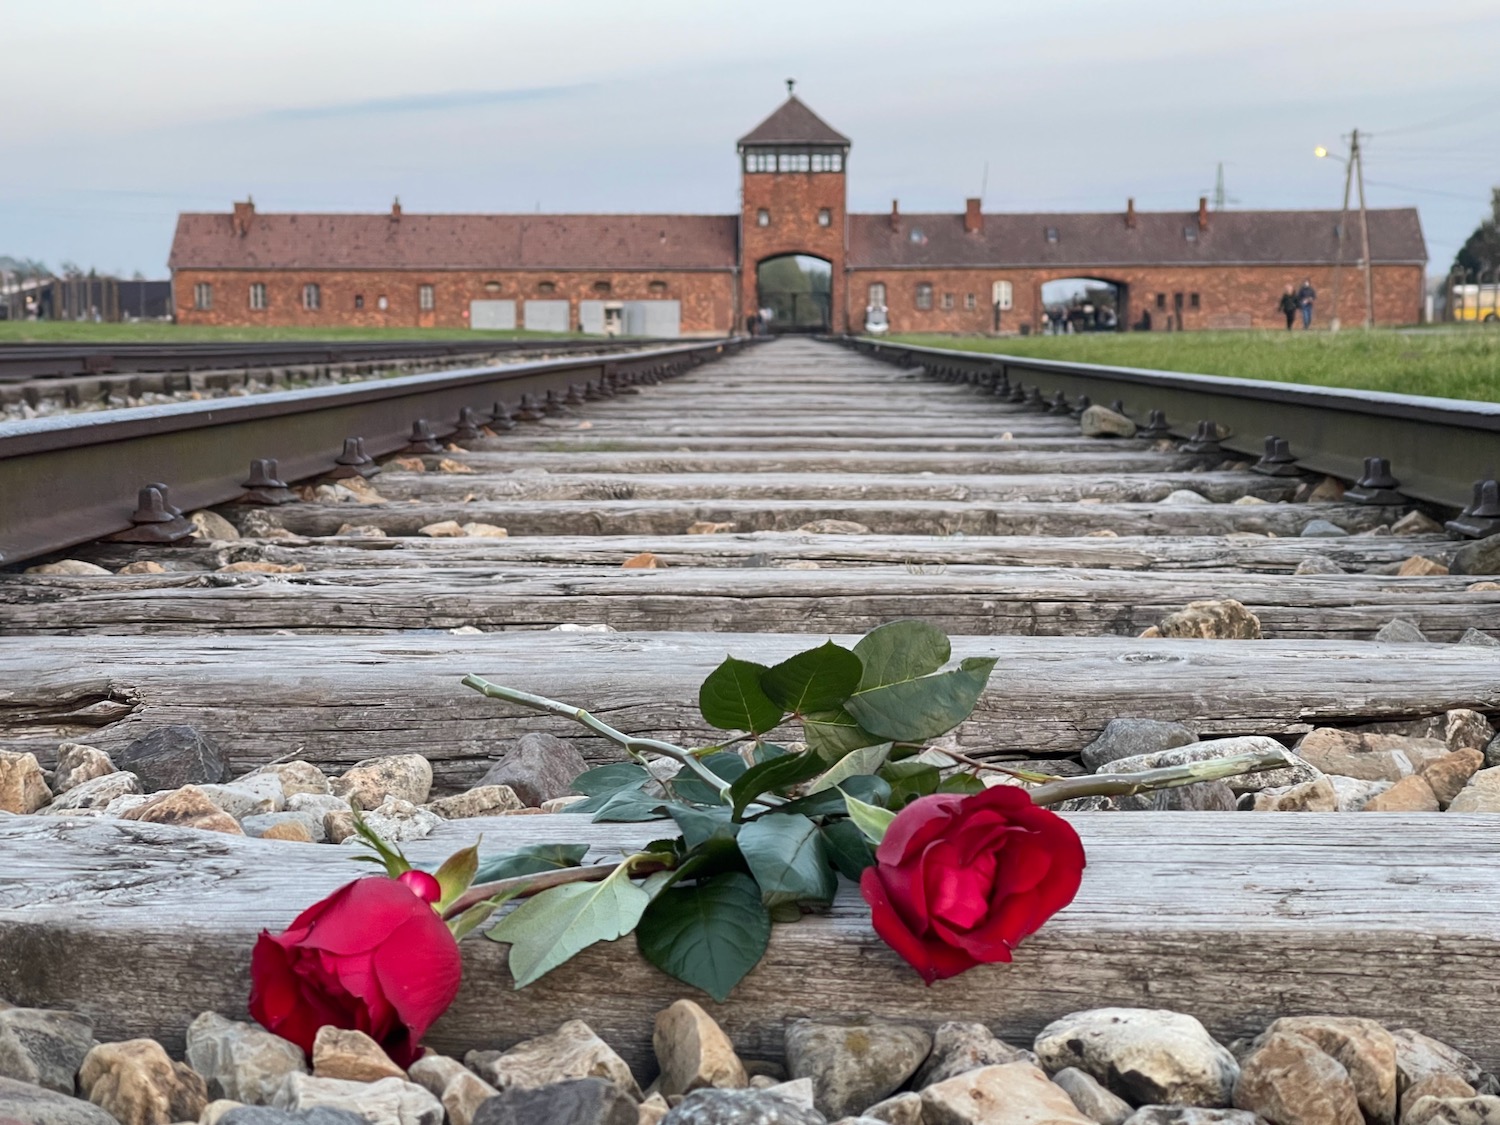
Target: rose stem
1125	784
522	885
632	746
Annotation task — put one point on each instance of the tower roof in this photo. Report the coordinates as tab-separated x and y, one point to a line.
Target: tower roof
793	124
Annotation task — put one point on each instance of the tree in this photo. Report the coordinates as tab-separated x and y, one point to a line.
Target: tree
1482	250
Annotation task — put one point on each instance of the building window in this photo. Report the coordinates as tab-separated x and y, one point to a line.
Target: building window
828	162
1161	300
924	295
1051	234
1193	300
359	300
794	162
1000	295
917	236
971	302
203	295
312	296
657	287
760	162
762	218
947	301
258	295
1190	233
602	287
492	287
825	217
1177	300
426	299
381	303
877	294
546	287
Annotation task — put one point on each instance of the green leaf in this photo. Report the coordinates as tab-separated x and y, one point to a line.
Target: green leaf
872	820
530	860
560	922
708	935
784	852
847	848
628	806
456	875
910	780
916	710
394	862
817	680
732	698
830	802
590	805
607	779
834	733
776	774
699	825
900	651
690	787
765	751
965	783
865	760
784	913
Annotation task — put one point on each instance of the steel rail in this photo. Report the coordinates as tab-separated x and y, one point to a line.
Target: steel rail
1438	449
72	478
20	362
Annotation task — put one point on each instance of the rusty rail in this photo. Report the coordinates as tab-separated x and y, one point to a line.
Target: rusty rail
73	478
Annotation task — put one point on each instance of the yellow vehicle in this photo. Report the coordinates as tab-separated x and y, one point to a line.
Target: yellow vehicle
1475	302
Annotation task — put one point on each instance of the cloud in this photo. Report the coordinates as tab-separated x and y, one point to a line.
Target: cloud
424	103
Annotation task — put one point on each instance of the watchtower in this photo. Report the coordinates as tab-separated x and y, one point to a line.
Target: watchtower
792	208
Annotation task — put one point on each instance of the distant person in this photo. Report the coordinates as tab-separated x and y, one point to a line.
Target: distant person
1305	298
1289	306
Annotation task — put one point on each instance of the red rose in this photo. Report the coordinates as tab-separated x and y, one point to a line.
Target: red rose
373	956
959	881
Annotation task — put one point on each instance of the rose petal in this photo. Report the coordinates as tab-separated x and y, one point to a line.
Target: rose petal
932	960
957	893
278	1002
917	825
367	912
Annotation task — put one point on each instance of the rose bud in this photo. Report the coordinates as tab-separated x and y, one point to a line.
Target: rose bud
959	881
421	884
372	957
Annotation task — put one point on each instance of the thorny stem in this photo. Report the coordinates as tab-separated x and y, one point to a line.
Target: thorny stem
1168	777
632	746
980	764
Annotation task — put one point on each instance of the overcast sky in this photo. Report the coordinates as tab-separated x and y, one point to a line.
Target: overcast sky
119	115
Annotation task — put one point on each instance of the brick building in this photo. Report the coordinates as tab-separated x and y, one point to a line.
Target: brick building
665	275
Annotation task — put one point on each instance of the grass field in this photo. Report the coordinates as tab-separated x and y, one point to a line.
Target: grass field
155	332
1444	362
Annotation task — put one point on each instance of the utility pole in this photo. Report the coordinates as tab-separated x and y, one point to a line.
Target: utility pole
1357	157
1338	261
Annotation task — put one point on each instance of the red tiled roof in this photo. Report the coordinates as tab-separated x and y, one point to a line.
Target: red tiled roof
324	241
1101	240
794	124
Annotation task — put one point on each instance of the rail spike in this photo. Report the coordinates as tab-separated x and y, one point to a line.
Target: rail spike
468	426
1205	441
1481	518
1080	404
500	417
1156	426
1059	404
1277	461
264	485
155	520
1376	486
423	440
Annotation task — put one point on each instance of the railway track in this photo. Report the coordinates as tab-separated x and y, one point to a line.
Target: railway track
789	488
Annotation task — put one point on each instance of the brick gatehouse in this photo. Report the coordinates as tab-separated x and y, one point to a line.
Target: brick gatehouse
966	272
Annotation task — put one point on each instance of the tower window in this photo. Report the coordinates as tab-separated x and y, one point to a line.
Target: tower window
924	295
762	218
825	217
258	295
312	296
203	295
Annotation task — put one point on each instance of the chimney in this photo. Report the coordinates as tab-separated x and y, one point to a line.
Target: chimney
973	217
895	215
1130	214
1202	212
396	210
244	215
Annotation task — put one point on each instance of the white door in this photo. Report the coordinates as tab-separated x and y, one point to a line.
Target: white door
494	315
547	316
